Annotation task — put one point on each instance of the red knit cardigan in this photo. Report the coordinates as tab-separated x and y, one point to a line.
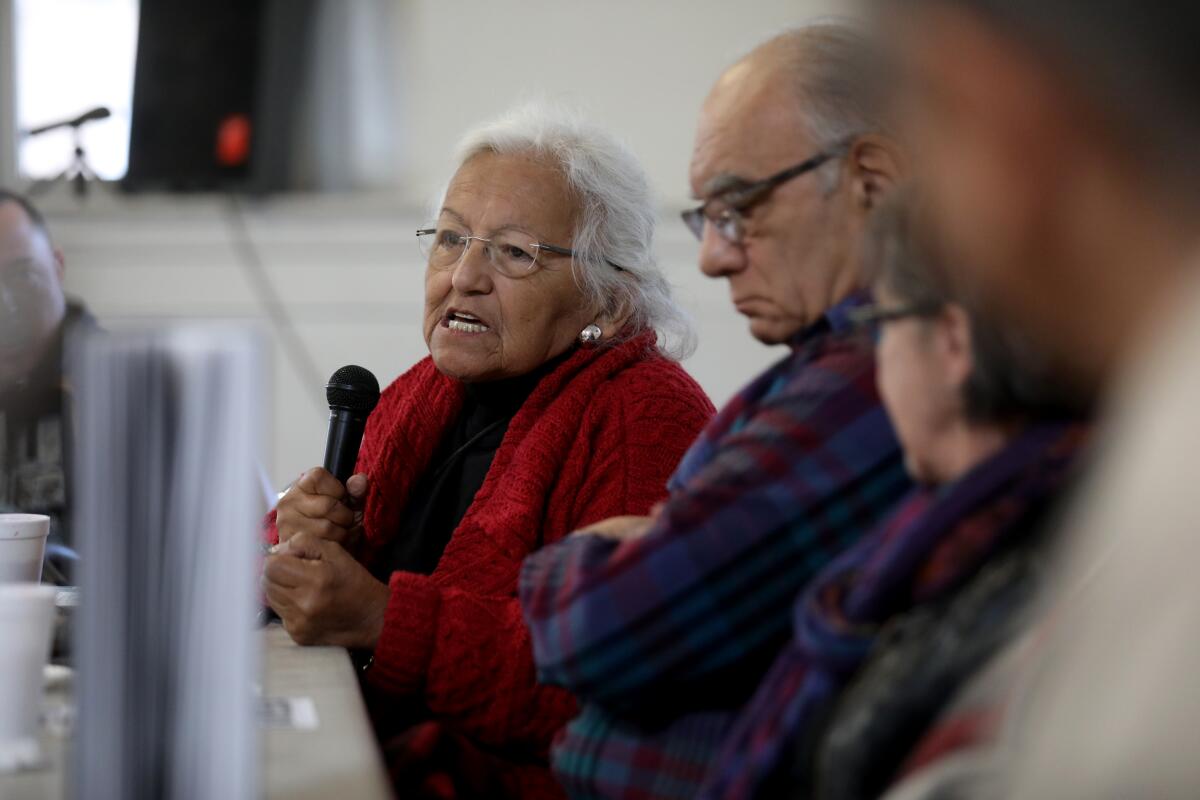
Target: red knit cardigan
597	438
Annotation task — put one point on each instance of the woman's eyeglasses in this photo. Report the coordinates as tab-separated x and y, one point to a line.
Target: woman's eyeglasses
871	317
511	254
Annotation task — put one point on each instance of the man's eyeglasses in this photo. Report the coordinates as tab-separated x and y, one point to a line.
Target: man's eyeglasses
728	209
511	254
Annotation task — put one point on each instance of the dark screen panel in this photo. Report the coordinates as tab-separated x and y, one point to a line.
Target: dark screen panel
196	92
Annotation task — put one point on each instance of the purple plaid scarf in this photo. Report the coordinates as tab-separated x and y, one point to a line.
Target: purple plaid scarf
933	543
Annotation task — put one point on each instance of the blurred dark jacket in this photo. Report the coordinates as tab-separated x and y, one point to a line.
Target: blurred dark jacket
36	438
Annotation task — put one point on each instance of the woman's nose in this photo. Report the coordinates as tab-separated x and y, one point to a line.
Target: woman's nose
473	272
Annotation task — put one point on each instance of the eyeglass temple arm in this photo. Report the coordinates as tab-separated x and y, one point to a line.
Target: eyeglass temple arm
562	251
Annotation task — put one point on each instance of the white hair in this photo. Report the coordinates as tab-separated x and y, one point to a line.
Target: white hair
616	216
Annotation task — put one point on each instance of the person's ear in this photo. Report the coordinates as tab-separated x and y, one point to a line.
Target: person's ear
60	265
612	322
875	165
954	332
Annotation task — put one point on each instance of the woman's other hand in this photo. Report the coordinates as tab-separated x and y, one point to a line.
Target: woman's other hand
318	504
620	528
623	529
323	595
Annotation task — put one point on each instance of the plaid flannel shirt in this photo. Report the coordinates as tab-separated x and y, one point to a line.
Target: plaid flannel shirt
665	637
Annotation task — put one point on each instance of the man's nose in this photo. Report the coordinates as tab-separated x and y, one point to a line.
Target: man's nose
719	257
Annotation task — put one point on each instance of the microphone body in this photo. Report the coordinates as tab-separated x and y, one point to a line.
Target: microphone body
345	437
352	393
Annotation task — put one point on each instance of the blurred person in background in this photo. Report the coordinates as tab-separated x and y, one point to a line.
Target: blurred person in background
663	626
1059	151
36	318
887	632
546	404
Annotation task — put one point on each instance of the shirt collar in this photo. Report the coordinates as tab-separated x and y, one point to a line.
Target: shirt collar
836	319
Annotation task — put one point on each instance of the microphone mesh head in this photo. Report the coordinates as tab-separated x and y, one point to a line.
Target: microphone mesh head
352	388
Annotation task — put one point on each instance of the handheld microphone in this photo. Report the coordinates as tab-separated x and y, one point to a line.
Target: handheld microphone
352	393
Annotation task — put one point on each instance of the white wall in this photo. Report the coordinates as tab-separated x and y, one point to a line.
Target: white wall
642	67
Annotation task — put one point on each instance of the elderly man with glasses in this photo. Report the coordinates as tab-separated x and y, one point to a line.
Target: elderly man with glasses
663	626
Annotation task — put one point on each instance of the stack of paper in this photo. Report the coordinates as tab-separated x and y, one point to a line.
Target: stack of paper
167	517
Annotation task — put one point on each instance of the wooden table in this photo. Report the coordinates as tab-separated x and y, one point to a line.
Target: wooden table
338	759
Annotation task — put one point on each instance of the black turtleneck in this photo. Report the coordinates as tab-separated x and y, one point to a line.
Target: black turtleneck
440	498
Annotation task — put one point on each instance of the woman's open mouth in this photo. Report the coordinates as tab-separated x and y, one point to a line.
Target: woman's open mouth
463	322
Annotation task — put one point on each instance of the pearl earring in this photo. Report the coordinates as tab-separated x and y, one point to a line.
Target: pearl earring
591	334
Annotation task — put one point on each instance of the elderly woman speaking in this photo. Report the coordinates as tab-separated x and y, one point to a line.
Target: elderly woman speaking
547	403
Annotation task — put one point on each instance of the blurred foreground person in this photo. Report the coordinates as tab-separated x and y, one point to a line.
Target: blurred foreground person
664	626
546	405
1059	144
888	631
36	319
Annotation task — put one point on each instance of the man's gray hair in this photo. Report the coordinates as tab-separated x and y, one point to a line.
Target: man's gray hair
616	215
838	73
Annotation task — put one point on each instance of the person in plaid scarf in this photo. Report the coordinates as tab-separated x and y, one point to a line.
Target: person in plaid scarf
884	636
662	626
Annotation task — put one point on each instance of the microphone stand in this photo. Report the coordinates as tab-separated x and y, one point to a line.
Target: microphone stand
79	172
